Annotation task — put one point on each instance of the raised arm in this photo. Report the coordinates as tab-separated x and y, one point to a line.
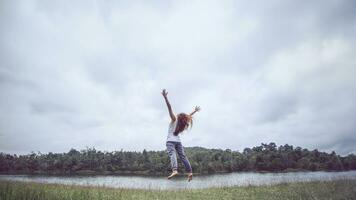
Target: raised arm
196	109
171	114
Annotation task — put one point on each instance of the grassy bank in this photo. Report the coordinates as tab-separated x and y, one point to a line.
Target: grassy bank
343	189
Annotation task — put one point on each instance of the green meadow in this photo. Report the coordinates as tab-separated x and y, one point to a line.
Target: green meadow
340	189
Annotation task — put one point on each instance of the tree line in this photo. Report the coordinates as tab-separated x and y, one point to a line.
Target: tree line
263	158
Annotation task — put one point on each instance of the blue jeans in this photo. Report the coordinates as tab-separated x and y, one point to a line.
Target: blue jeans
172	149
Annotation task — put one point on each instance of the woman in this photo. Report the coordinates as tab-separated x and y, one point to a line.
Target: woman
177	126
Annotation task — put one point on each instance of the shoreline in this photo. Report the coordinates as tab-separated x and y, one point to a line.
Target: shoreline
143	174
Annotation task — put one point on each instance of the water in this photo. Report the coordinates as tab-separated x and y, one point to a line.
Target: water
218	180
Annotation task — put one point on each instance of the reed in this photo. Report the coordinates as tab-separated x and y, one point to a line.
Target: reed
341	189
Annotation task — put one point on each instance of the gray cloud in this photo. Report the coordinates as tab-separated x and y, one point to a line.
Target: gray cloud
88	73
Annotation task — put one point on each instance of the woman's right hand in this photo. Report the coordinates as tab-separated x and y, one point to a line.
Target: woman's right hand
164	93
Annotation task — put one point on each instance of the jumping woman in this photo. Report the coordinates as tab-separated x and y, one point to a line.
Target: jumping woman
177	125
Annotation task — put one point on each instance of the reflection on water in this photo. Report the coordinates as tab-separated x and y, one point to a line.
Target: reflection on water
219	180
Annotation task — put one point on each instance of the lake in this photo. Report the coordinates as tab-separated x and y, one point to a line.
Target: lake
216	180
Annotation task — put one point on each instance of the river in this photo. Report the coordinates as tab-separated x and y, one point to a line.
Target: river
161	183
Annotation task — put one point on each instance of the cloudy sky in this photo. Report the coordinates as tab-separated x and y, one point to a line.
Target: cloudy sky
77	74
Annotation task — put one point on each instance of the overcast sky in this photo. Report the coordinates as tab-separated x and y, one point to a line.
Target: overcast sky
77	74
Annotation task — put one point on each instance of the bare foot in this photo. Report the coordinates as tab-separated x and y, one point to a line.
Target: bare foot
173	174
190	177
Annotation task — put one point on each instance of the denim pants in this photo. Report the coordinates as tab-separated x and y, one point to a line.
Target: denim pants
172	149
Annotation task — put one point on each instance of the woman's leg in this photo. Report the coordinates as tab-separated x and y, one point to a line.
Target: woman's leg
173	157
183	157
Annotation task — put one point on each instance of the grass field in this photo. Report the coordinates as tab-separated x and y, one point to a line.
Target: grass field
342	189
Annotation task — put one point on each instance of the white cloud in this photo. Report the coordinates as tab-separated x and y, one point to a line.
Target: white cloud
90	74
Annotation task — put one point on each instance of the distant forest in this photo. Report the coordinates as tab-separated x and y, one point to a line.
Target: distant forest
263	158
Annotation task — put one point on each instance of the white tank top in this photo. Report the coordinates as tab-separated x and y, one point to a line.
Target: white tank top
171	129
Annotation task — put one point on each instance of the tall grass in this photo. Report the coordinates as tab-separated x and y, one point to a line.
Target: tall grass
341	189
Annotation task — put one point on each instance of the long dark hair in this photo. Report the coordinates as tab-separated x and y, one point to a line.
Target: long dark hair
183	122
